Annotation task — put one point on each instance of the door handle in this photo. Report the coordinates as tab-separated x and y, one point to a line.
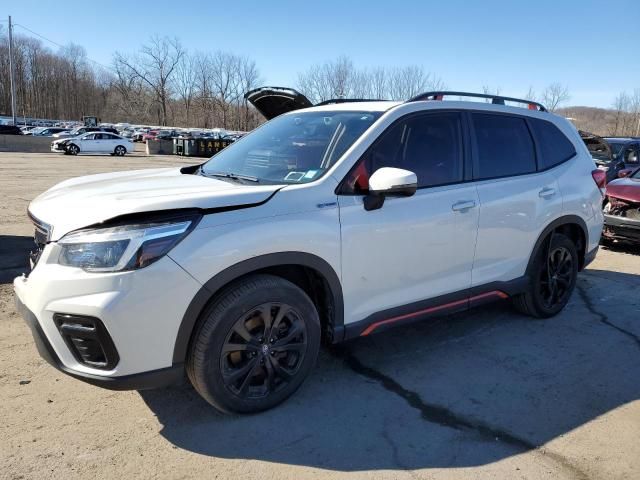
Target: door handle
547	192
463	205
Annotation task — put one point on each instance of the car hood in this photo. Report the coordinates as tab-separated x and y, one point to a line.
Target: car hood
627	189
84	201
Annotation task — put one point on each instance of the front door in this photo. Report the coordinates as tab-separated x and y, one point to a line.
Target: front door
416	248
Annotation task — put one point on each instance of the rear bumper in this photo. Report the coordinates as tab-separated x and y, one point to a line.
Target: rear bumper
621	228
139	381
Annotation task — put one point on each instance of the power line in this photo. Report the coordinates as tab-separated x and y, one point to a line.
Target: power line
58	45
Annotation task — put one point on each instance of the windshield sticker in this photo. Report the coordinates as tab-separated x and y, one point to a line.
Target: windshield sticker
310	174
294	176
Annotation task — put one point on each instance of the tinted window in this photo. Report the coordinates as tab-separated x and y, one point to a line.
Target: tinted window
553	145
504	144
428	145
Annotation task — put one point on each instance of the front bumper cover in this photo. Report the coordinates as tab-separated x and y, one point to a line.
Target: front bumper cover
622	228
139	381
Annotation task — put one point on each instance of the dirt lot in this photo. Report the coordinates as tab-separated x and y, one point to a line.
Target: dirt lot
485	394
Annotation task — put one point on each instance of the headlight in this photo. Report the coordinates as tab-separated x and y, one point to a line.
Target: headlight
126	247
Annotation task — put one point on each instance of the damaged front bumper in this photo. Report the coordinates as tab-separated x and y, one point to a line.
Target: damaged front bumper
621	228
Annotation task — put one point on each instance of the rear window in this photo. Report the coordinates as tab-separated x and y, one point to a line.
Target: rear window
553	145
505	146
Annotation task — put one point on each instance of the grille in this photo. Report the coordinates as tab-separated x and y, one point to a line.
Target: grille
41	236
88	340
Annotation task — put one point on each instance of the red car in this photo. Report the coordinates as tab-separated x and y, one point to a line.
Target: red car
150	135
622	207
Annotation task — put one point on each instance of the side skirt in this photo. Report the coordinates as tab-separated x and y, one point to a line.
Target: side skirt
434	307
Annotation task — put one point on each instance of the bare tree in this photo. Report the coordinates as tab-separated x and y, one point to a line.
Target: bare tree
155	65
329	80
184	83
555	95
340	79
249	78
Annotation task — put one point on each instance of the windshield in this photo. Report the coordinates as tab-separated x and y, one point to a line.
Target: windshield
292	148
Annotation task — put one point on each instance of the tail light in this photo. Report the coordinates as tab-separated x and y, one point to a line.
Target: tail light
600	177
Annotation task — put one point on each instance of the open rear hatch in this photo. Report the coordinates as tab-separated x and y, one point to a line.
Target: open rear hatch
274	101
598	148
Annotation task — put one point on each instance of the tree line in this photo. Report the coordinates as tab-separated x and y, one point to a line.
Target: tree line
163	83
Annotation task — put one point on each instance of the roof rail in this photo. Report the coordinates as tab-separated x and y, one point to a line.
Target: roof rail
346	100
495	99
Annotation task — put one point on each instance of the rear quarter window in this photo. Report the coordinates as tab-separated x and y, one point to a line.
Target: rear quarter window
504	146
554	147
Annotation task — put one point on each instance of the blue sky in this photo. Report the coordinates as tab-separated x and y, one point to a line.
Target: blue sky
592	47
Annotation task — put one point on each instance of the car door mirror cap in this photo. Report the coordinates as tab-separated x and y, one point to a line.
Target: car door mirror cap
388	181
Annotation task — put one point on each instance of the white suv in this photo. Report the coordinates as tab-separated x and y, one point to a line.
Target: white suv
330	222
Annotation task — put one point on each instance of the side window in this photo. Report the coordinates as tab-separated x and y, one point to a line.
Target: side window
631	154
90	137
553	145
504	144
428	145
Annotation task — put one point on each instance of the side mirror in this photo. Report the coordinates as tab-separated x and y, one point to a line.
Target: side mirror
388	181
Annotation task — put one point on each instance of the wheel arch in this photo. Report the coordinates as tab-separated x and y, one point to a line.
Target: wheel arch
311	273
573	227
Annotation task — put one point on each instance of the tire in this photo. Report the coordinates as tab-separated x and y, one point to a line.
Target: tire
120	151
233	365
73	149
558	253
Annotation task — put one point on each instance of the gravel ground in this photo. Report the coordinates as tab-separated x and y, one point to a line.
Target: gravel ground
485	394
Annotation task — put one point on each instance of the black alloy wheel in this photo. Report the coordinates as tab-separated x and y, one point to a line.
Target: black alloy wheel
556	278
254	344
263	351
552	277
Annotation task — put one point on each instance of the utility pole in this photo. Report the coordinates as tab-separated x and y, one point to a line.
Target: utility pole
11	74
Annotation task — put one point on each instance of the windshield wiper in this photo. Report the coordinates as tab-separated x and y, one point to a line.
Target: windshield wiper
233	176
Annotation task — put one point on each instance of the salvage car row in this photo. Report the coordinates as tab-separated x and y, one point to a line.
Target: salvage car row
619	160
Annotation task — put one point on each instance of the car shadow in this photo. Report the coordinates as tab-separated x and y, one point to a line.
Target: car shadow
14	256
622	247
458	391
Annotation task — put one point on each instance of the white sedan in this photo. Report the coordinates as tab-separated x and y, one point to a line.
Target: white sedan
93	142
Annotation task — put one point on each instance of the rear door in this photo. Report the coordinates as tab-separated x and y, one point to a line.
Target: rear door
516	200
274	101
111	141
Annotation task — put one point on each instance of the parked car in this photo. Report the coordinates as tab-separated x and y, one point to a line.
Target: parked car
622	209
10	130
82	130
49	131
150	135
335	222
93	142
614	155
166	134
232	137
138	134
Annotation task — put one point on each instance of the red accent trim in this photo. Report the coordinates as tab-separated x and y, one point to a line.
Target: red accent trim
373	326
